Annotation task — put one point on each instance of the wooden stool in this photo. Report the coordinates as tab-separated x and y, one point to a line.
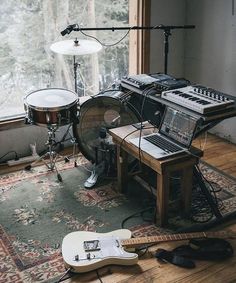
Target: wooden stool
164	168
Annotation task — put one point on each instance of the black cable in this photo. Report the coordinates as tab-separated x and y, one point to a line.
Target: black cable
104	44
124	138
137	214
141	127
140	214
16	155
64	274
200	205
99	278
103	91
144	96
201	211
211	187
63	139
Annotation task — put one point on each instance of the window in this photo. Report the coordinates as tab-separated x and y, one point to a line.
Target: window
30	27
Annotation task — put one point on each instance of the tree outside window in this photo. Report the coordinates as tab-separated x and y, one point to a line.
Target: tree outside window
28	28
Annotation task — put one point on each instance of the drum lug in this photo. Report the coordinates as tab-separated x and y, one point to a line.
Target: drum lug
59	118
47	117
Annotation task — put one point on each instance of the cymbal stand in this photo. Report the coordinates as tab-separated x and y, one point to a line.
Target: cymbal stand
76	65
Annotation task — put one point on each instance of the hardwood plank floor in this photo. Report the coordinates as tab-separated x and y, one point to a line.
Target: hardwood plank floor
218	152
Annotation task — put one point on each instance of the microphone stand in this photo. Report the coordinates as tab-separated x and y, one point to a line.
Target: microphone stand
166	32
166	48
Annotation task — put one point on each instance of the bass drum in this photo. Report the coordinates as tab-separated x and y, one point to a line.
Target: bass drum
98	114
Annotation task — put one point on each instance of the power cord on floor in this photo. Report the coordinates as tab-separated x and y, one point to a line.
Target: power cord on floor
64	274
11	151
201	210
99	277
62	278
138	214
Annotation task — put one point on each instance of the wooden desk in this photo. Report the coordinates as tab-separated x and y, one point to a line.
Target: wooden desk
164	168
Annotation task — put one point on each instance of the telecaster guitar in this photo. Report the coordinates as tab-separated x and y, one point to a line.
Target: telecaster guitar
84	251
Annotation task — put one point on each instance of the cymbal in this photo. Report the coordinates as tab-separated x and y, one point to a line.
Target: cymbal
76	47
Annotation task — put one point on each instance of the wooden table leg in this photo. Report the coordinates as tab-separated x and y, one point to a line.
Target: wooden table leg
163	185
122	169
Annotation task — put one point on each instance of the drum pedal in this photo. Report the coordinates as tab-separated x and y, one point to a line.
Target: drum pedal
91	181
66	159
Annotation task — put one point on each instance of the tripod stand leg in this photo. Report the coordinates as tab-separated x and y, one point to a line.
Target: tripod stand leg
50	155
58	175
206	192
39	159
75	151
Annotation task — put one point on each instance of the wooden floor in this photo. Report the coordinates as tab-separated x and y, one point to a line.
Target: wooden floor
220	154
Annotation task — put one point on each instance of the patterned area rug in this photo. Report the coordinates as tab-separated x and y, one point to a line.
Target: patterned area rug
37	211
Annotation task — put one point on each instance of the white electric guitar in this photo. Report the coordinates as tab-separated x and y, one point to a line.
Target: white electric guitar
84	251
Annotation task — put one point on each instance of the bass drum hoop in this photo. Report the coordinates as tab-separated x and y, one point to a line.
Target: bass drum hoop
102	104
55	116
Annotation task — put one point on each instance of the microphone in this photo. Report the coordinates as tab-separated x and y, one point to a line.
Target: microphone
68	30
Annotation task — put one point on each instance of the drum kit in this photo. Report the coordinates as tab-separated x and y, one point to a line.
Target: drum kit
90	117
56	107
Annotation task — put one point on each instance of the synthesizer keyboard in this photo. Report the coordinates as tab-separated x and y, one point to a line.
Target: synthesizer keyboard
159	82
199	99
138	83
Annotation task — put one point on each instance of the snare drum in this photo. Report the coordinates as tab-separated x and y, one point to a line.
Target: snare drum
51	106
103	111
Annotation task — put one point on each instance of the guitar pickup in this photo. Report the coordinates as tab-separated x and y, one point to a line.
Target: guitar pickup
93	245
76	258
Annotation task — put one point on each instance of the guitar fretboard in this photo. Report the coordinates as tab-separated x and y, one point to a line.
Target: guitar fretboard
134	242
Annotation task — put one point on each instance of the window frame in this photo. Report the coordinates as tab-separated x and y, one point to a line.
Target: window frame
139	44
139	52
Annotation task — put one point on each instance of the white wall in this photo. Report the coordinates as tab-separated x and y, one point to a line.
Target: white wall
19	140
210	51
168	12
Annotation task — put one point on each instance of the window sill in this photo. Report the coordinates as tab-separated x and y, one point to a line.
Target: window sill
12	124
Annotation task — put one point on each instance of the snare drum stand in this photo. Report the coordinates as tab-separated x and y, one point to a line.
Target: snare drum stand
51	154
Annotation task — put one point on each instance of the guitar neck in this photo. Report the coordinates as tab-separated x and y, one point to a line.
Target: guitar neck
134	242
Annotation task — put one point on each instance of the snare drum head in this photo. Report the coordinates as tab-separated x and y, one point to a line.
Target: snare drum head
51	99
99	113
